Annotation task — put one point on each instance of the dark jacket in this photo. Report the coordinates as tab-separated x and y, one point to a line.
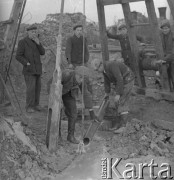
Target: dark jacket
168	47
118	74
69	83
74	50
29	51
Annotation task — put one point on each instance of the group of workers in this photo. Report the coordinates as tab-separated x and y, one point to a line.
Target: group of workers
118	73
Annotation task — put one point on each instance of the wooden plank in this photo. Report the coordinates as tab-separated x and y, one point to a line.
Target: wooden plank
141	24
171	5
134	45
110	2
102	29
157	40
162	124
55	98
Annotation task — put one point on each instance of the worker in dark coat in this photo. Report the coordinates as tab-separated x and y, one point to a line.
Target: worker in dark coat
71	80
167	39
117	74
74	55
125	44
28	54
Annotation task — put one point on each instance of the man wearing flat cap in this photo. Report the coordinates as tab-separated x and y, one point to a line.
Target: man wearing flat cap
125	44
167	39
74	55
28	54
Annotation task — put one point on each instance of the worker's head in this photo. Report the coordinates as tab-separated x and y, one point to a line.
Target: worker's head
97	65
165	26
123	29
32	31
82	71
78	30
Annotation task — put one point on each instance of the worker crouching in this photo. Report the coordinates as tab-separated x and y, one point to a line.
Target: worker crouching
120	75
71	81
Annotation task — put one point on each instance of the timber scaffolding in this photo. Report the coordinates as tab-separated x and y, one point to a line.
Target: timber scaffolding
153	23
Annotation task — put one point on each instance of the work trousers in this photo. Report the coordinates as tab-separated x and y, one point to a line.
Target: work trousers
33	88
123	105
70	111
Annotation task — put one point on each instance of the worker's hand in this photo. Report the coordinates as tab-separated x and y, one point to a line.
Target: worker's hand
106	95
160	61
71	66
36	39
117	98
28	64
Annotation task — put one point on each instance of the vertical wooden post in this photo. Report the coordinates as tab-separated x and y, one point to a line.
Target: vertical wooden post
11	28
8	40
102	28
157	40
55	98
133	43
171	5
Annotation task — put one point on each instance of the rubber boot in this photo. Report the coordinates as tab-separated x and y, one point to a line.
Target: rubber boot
116	124
123	122
71	129
60	135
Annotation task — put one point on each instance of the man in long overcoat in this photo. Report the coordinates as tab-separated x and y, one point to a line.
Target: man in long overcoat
28	54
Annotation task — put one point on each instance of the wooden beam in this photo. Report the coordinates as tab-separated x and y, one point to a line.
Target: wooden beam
134	45
11	28
141	24
55	97
157	40
171	5
9	38
111	2
102	29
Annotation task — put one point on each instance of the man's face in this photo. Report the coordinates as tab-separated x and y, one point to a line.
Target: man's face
78	31
165	30
79	78
32	33
123	31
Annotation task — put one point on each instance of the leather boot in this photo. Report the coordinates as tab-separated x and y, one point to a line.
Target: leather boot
116	124
71	129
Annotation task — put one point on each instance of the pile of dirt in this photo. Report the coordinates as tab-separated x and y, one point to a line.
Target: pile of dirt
23	157
141	139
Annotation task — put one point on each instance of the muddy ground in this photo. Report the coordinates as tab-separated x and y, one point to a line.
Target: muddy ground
24	155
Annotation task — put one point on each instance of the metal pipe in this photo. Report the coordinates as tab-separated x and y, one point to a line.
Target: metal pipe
96	123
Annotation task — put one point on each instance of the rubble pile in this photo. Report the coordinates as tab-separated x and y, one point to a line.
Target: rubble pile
25	159
141	138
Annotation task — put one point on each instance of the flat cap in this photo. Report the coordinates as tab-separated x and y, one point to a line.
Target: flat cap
122	26
165	23
77	26
32	27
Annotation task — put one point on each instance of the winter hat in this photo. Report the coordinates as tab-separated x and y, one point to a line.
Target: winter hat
165	23
32	27
122	26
